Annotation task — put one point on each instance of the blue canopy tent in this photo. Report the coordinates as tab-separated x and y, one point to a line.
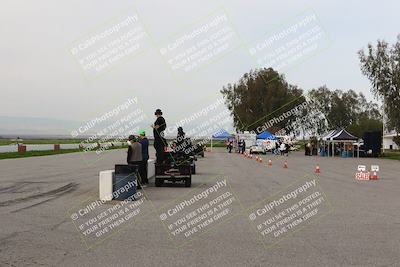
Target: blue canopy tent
220	135
266	136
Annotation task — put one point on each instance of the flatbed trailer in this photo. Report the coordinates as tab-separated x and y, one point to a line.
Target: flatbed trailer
177	168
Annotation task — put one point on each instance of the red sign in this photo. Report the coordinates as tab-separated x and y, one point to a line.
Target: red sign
363	176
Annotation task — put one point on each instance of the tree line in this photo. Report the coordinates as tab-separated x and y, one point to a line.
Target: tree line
263	94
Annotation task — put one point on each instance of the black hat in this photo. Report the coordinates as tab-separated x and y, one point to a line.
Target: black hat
131	137
158	112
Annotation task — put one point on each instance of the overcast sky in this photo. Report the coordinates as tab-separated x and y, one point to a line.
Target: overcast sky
39	77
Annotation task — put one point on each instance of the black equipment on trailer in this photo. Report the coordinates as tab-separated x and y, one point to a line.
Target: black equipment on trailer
176	168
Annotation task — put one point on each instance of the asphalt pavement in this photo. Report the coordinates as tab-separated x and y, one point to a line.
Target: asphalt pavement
345	223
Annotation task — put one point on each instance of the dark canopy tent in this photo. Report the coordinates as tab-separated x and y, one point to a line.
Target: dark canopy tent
343	135
339	137
266	136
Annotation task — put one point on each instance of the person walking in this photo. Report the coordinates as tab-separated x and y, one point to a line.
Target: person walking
145	157
287	148
158	133
134	155
276	151
230	146
309	149
282	148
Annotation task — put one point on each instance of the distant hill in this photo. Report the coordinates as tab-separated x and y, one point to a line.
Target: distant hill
35	126
27	127
48	128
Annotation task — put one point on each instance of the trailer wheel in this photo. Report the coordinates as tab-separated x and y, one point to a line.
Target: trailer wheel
159	182
188	182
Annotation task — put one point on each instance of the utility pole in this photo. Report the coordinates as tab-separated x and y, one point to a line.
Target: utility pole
383	126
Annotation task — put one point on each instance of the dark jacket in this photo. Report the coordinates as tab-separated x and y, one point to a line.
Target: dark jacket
158	133
134	152
145	148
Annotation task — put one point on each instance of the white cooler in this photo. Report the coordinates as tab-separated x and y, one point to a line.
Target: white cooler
106	185
106	179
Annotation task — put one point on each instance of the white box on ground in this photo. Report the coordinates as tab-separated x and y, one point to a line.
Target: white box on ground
375	168
361	168
106	185
151	169
106	179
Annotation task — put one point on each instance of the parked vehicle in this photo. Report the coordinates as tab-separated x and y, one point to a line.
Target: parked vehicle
257	149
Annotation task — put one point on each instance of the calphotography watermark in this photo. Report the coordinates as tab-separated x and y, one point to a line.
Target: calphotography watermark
297	117
199	211
199	127
97	220
114	42
291	43
288	211
203	43
111	128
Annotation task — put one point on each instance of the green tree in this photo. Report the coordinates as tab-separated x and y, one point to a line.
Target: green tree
259	96
347	109
381	65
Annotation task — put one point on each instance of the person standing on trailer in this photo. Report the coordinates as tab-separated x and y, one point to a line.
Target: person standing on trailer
180	139
158	133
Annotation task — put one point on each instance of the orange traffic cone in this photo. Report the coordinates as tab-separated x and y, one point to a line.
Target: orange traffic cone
285	166
317	169
374	176
257	158
269	162
260	160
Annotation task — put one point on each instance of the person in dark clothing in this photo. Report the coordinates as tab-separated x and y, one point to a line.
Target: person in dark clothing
230	146
276	151
180	139
243	146
158	133
287	149
240	146
181	135
135	155
145	157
